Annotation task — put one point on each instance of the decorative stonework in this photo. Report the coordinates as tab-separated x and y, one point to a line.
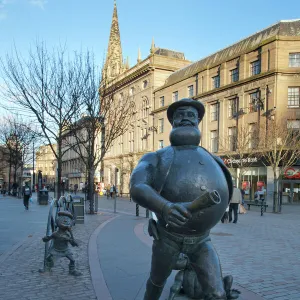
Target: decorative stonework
114	60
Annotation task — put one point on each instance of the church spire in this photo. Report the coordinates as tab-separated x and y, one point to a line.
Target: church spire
114	61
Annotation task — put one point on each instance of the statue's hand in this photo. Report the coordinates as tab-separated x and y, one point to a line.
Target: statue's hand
45	239
175	214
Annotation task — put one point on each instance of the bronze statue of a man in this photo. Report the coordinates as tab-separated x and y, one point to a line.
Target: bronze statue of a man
61	239
170	182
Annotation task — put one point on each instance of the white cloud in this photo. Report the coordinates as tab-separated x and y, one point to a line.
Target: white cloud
3	4
40	3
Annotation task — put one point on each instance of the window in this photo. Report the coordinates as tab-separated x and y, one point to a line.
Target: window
161	126
131	91
160	144
214	141
175	96
294	59
255	67
293	97
145	107
234	74
293	127
145	84
232	136
253	138
253	97
214	112
131	141
216	82
162	101
232	108
191	91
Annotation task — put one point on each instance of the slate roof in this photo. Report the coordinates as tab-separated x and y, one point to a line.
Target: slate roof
282	28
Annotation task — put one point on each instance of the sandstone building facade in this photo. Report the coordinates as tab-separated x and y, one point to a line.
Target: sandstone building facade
247	84
138	83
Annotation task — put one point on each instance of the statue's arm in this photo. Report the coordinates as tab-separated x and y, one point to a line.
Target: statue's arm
141	184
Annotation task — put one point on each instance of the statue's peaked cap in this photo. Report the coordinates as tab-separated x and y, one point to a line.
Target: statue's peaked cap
65	213
186	102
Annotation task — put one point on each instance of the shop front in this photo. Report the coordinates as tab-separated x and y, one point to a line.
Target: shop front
290	185
249	174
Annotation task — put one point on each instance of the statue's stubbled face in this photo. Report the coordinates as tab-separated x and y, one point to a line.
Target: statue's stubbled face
185	127
185	116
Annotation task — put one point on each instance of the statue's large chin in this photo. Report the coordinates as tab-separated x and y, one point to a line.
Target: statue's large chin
185	135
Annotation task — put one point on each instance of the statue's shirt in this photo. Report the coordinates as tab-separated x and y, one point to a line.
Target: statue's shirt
194	171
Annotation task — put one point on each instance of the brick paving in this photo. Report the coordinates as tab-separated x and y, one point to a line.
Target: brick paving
19	274
262	253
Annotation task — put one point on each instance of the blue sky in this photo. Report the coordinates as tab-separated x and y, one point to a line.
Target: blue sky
195	27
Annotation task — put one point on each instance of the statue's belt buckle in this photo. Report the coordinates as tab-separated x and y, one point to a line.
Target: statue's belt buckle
190	241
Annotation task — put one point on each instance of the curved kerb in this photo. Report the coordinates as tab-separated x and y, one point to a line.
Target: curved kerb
98	281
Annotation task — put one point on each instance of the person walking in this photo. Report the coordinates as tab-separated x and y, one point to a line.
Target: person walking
75	188
236	199
26	195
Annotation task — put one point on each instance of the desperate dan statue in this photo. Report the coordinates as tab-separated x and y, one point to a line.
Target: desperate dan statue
188	189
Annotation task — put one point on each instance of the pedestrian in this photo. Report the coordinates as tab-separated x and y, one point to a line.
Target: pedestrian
26	195
236	199
243	196
75	188
112	190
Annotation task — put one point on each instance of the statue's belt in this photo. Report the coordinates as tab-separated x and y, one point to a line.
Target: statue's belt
183	239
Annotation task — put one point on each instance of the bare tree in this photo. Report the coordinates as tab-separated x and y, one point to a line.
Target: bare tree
17	136
239	146
280	149
102	118
47	87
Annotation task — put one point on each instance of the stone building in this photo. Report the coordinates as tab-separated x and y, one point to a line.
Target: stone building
138	83
46	162
247	84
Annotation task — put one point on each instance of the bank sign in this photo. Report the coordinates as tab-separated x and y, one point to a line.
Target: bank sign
240	161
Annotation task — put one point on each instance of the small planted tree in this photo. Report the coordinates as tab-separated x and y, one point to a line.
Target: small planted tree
240	147
47	88
280	149
99	121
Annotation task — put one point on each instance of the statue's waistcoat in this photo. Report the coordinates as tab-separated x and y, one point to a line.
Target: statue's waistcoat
185	173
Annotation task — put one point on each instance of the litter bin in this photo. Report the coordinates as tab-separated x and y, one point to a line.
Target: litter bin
43	197
78	203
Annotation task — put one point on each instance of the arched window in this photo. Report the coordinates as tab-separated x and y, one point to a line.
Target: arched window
145	107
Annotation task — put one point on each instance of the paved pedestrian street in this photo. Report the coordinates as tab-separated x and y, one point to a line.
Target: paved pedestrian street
262	254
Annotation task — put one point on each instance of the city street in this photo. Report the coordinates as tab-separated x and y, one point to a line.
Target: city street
260	252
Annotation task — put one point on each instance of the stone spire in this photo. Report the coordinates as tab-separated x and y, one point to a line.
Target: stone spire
114	61
139	59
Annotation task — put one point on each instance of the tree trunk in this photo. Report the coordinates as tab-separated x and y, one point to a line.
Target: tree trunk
59	171
9	176
91	189
275	195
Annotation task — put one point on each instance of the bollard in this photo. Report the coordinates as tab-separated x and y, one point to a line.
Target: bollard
137	210
115	203
147	213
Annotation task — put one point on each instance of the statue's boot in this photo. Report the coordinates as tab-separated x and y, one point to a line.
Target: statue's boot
230	293
153	291
73	271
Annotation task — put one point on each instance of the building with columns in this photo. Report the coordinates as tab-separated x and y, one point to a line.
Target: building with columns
137	82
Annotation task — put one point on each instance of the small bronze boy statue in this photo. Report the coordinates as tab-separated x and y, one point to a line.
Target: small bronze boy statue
60	243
